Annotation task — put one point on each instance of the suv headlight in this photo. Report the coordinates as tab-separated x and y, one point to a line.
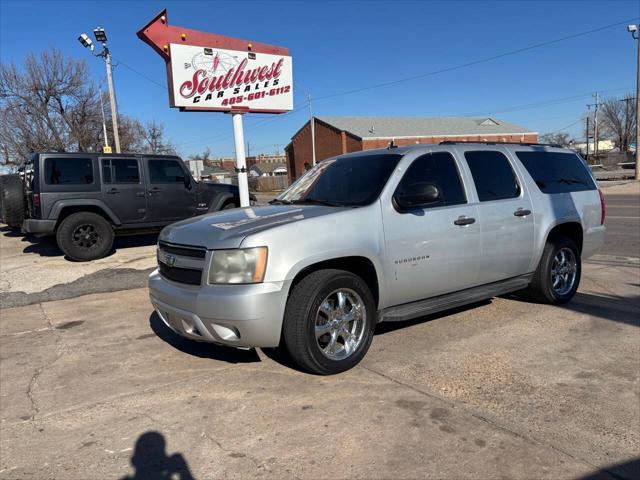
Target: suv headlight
243	265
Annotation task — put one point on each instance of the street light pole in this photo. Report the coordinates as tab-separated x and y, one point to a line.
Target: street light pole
112	99
101	36
104	124
633	30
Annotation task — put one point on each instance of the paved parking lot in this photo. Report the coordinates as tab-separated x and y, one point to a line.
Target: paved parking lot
96	387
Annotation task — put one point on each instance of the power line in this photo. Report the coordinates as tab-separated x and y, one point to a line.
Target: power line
541	103
476	62
120	62
564	128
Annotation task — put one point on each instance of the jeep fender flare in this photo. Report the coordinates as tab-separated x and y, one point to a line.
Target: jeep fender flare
54	214
220	199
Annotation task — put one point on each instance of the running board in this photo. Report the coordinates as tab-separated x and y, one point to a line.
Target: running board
421	308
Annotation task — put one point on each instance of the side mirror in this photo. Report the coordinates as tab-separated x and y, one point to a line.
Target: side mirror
187	182
418	195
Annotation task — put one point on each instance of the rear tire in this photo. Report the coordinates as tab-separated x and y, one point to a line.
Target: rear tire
85	236
329	322
557	277
12	204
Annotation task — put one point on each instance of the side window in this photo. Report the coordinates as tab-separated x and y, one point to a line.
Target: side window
438	168
493	175
165	171
68	171
120	170
557	172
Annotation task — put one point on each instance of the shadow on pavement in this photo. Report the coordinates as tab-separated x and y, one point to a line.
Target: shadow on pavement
46	246
200	349
150	460
608	307
10	232
620	471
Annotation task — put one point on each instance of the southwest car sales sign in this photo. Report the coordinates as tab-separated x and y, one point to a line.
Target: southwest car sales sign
222	79
212	72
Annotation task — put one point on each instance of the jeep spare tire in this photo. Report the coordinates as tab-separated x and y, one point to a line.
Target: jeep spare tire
12	203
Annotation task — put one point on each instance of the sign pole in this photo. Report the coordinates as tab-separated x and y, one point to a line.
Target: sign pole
241	163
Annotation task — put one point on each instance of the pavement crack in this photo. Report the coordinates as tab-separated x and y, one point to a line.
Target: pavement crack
35	410
32	383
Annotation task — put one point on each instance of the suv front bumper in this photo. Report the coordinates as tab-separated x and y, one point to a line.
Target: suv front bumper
233	315
38	227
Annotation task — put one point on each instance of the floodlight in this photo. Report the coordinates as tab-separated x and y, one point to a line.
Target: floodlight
85	41
100	34
632	28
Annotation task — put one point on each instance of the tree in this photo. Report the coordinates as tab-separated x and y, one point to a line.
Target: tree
562	138
51	104
48	105
153	139
619	121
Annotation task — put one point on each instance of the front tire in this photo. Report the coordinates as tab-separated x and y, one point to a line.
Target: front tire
557	277
329	321
85	236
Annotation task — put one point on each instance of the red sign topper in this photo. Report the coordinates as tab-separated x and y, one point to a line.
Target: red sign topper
210	72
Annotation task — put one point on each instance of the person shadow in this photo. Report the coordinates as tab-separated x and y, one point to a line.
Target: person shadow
150	460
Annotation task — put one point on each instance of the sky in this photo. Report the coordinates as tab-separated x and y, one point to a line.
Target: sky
342	46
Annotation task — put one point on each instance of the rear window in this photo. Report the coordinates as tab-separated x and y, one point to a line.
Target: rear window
557	172
68	171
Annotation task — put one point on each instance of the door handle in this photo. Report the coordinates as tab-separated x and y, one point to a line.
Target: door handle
521	212
462	221
154	190
139	194
113	191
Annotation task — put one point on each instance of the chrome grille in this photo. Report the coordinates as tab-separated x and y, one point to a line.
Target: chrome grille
181	263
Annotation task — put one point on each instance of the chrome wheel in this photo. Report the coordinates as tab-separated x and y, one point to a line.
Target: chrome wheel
340	324
563	271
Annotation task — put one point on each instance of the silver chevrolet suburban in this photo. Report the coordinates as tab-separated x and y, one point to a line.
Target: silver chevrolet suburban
379	236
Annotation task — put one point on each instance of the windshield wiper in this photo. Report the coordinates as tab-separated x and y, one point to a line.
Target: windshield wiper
276	201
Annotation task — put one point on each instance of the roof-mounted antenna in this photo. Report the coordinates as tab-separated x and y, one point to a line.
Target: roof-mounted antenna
392	144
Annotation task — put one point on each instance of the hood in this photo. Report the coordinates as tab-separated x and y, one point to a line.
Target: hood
228	228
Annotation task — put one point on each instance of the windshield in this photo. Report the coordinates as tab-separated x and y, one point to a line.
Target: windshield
349	181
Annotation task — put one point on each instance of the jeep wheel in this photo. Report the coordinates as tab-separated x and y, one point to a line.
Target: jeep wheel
11	190
558	275
329	322
85	236
229	206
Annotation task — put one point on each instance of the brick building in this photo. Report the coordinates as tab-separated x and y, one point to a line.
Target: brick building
230	163
337	135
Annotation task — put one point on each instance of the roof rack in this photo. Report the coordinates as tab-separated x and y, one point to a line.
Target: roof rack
453	142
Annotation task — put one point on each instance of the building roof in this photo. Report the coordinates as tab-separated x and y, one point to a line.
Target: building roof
397	127
267	167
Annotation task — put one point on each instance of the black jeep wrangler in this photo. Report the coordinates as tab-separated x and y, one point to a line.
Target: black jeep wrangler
84	199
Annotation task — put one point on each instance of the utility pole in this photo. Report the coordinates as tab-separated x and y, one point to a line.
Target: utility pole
313	133
112	98
595	125
587	135
104	126
101	36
